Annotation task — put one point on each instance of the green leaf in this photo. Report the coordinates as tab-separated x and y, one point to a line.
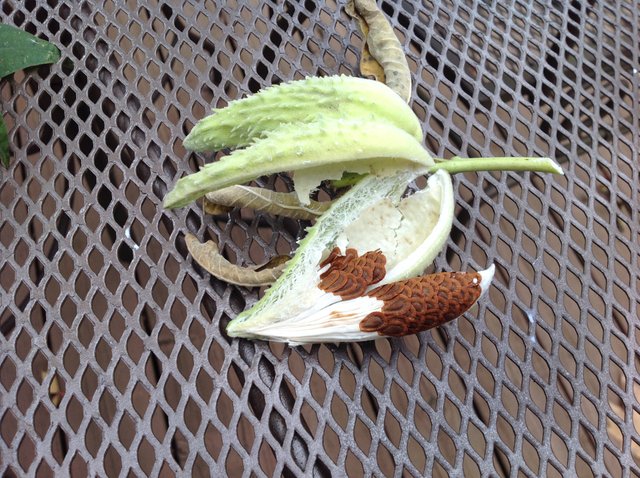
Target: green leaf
19	50
4	143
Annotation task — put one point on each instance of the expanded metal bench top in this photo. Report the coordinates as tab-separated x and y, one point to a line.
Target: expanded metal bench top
113	356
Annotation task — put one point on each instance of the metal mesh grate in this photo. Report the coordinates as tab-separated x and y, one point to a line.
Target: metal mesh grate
112	356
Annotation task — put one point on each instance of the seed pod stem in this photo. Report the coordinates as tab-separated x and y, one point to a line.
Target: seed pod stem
465	165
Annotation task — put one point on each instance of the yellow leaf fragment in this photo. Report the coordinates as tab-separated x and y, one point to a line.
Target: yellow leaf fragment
613	430
213	208
55	391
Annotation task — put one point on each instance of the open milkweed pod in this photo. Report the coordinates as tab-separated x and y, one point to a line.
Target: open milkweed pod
371	220
393	310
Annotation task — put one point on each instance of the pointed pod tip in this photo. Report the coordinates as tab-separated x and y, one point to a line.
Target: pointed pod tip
168	202
188	142
486	276
232	328
175	200
198	139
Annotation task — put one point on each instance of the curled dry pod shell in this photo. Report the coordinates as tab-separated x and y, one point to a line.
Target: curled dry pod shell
382	55
370	218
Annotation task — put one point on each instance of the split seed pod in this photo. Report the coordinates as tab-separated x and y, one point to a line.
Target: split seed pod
386	239
393	310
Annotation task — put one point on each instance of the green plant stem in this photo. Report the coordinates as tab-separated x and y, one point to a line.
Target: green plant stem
348	179
465	165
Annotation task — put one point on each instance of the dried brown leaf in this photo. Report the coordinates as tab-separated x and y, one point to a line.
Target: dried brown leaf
369	66
209	258
281	204
382	56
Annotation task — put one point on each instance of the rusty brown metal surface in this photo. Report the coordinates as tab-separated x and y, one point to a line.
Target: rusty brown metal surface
113	359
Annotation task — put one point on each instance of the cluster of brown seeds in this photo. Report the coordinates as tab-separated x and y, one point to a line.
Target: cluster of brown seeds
413	305
349	275
409	306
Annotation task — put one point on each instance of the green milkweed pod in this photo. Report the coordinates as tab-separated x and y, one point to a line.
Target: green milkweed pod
378	146
302	101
